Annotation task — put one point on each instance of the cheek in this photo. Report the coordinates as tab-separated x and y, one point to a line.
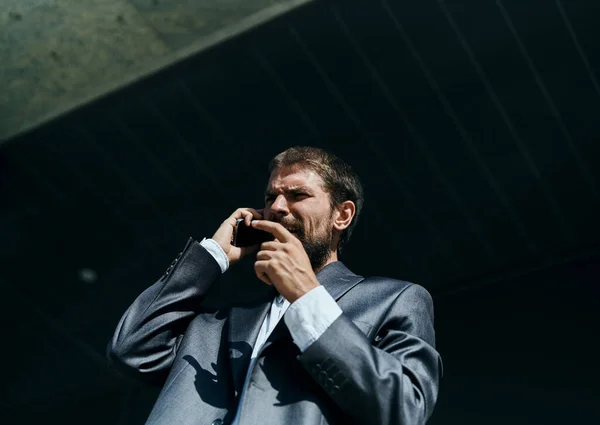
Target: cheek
320	224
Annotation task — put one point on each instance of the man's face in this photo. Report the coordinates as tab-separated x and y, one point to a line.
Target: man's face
296	199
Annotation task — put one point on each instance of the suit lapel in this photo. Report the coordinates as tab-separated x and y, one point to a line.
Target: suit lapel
244	325
338	279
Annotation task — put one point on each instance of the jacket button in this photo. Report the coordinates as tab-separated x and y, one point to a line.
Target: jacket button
217	422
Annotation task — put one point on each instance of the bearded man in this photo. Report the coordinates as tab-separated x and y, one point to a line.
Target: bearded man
330	347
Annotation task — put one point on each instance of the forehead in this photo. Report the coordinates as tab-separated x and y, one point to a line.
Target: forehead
292	177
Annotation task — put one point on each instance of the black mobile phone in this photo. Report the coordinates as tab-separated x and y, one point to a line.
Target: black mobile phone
247	235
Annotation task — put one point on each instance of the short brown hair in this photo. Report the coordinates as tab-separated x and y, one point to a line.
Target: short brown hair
340	181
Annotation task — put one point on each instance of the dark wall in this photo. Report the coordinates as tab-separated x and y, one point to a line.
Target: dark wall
522	350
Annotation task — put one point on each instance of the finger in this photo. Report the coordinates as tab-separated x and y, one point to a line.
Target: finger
271	246
256	214
260	268
264	255
253	215
276	229
246	212
248	218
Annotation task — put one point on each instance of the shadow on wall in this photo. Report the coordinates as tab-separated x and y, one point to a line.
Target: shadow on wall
522	351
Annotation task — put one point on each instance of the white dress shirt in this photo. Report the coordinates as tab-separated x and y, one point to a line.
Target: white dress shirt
307	318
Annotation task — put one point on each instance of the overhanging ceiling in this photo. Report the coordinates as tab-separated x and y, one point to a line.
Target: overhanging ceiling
57	55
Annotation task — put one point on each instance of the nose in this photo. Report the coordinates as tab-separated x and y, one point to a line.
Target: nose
279	206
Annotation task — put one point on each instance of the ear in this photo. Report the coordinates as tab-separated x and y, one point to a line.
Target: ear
343	215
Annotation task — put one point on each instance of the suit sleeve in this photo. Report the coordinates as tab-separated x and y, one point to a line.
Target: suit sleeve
392	381
146	338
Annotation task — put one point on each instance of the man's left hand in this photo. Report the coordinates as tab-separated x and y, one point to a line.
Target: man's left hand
283	262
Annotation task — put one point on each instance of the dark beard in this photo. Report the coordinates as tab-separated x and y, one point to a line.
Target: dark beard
317	247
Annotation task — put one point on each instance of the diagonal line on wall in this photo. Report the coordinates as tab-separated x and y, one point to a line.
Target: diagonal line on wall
464	134
582	164
565	226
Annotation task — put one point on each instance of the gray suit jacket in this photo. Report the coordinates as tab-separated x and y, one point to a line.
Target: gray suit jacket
376	364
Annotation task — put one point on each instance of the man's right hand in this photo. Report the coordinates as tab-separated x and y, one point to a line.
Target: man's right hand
224	234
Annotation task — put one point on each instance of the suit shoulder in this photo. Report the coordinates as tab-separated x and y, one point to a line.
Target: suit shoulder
387	282
396	286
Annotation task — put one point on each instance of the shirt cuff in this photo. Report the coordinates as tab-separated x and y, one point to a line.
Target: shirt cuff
217	252
310	315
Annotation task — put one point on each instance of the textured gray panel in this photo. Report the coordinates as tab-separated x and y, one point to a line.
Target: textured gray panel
182	22
59	54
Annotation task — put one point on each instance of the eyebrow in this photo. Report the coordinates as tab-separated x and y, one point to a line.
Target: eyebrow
269	192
